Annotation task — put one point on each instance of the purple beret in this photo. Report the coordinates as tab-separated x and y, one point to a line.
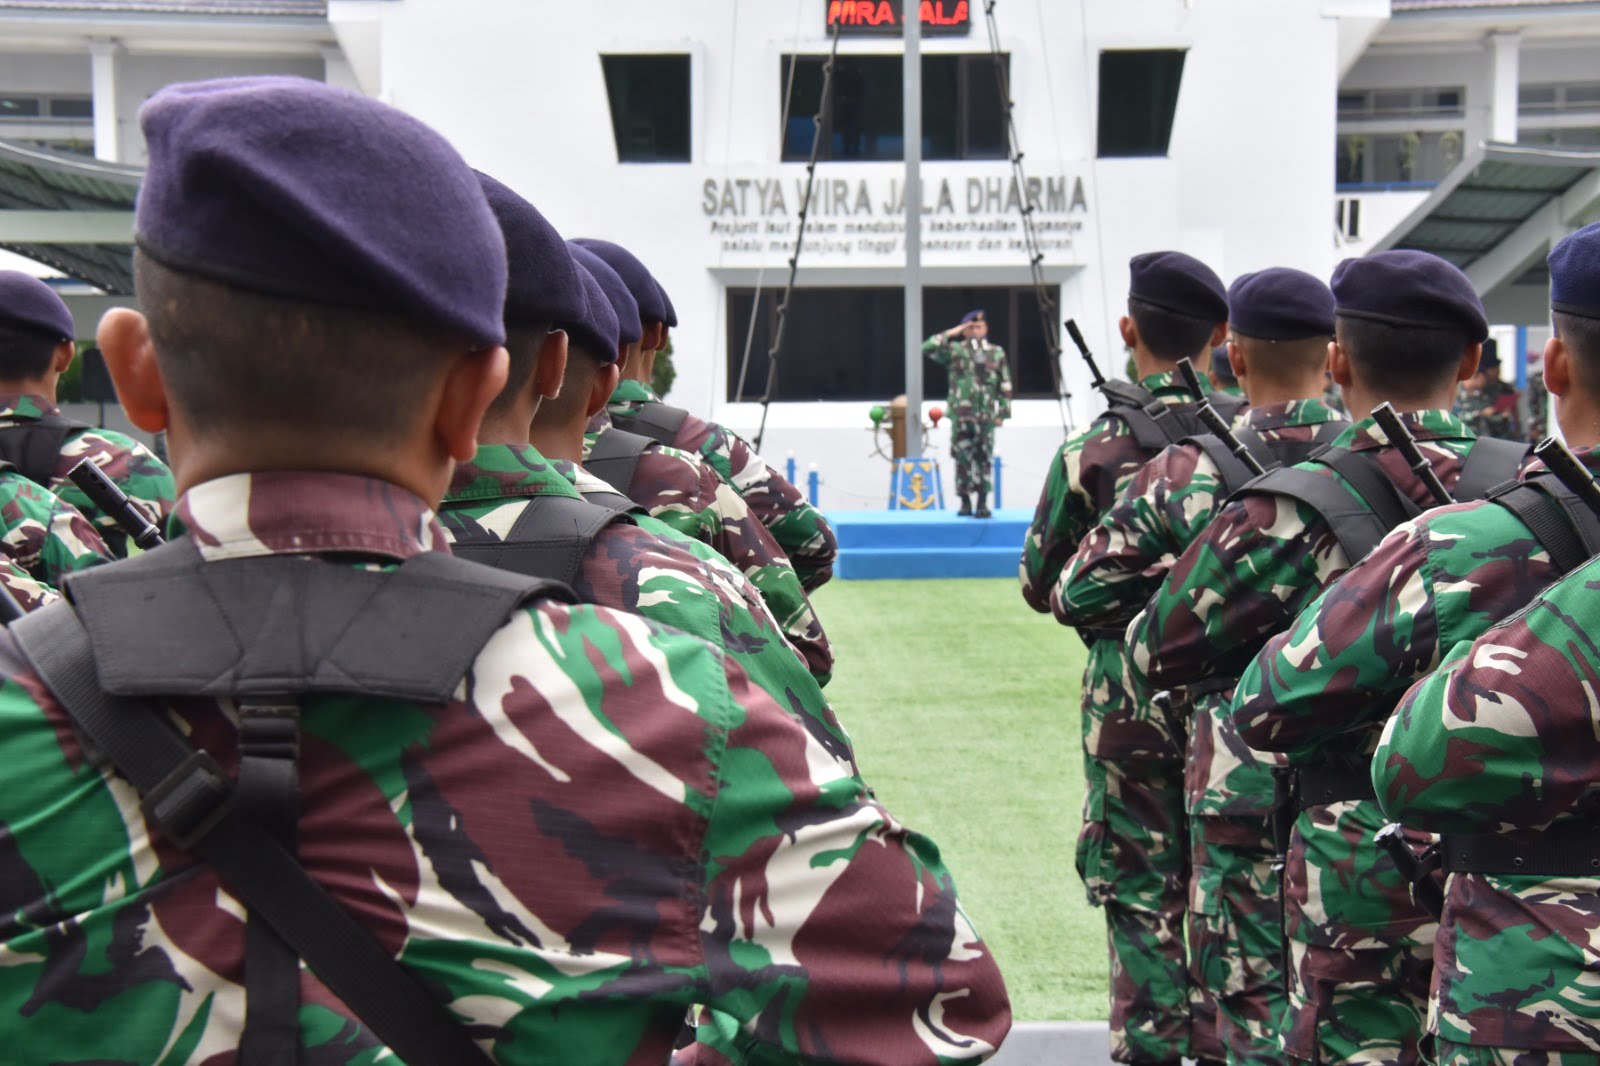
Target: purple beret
641	283
1410	289
542	281
614	289
295	188
1280	304
1575	273
1221	365
1178	283
669	313
972	316
595	331
27	301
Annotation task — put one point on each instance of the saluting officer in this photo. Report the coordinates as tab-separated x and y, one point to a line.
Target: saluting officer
980	401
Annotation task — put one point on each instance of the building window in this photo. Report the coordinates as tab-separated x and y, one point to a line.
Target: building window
36	109
1556	99
71	107
1138	99
13	106
1419	157
649	107
848	344
963	116
1434	102
1561	136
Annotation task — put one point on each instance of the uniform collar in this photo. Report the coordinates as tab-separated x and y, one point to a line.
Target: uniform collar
630	391
1167	386
581	480
27	405
1282	415
1424	425
300	512
500	471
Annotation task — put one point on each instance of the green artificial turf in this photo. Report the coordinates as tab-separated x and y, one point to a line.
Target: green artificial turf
963	705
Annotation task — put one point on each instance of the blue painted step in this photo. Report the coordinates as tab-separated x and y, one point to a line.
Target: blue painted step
922	544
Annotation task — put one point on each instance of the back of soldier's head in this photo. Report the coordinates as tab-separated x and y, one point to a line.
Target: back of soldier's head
1282	319
1176	303
1575	303
309	259
1406	320
34	321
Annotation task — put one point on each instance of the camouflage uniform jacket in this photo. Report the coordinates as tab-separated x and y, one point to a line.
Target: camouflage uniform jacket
606	824
1261	561
682	490
44	535
1121	564
1321	691
1501	739
643	567
1087	475
132	466
980	383
1490	411
798	527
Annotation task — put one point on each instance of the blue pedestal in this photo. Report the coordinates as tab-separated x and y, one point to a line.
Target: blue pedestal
929	543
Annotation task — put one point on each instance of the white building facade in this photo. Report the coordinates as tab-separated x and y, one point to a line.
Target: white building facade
1250	133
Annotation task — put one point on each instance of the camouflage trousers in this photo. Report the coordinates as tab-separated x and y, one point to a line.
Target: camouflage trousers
1453	1054
1236	935
972	447
1133	856
1365	1007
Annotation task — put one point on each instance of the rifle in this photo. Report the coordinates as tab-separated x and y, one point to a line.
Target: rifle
1425	891
104	494
1560	461
1219	428
1191	379
1388	420
1083	350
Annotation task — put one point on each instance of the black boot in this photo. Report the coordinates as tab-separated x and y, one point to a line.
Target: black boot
966	506
983	505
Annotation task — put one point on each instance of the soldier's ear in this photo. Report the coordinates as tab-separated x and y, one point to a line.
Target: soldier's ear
1130	332
1218	335
1469	362
550	366
471	384
124	339
1339	364
1558	376
1238	360
605	383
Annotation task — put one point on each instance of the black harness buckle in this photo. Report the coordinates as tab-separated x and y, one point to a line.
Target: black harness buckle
190	801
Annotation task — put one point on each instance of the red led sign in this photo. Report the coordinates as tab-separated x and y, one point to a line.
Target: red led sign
867	17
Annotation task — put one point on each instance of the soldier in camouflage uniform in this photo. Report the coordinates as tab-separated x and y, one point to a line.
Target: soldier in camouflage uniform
980	402
1281	321
44	535
679	488
1409	326
1479	747
1536	398
1486	403
599	824
36	348
1133	851
799	528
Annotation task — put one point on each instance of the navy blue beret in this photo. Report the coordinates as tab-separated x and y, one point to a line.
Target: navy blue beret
294	188
1410	289
1575	273
671	314
1221	365
27	301
972	316
623	305
542	281
1179	283
641	283
1280	304
595	331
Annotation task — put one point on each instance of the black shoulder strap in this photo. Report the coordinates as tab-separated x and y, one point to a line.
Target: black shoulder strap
549	539
1567	529
615	457
1291	452
1226	404
1355	522
33	446
184	792
1490	462
1231	470
656	420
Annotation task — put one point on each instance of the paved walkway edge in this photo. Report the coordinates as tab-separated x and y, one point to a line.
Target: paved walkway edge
1056	1044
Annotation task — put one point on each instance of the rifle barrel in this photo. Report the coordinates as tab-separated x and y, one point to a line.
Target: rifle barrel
1564	465
1083	350
1399	436
1191	378
1222	431
104	494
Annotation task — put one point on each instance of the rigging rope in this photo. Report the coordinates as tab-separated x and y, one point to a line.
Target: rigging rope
1049	313
820	120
